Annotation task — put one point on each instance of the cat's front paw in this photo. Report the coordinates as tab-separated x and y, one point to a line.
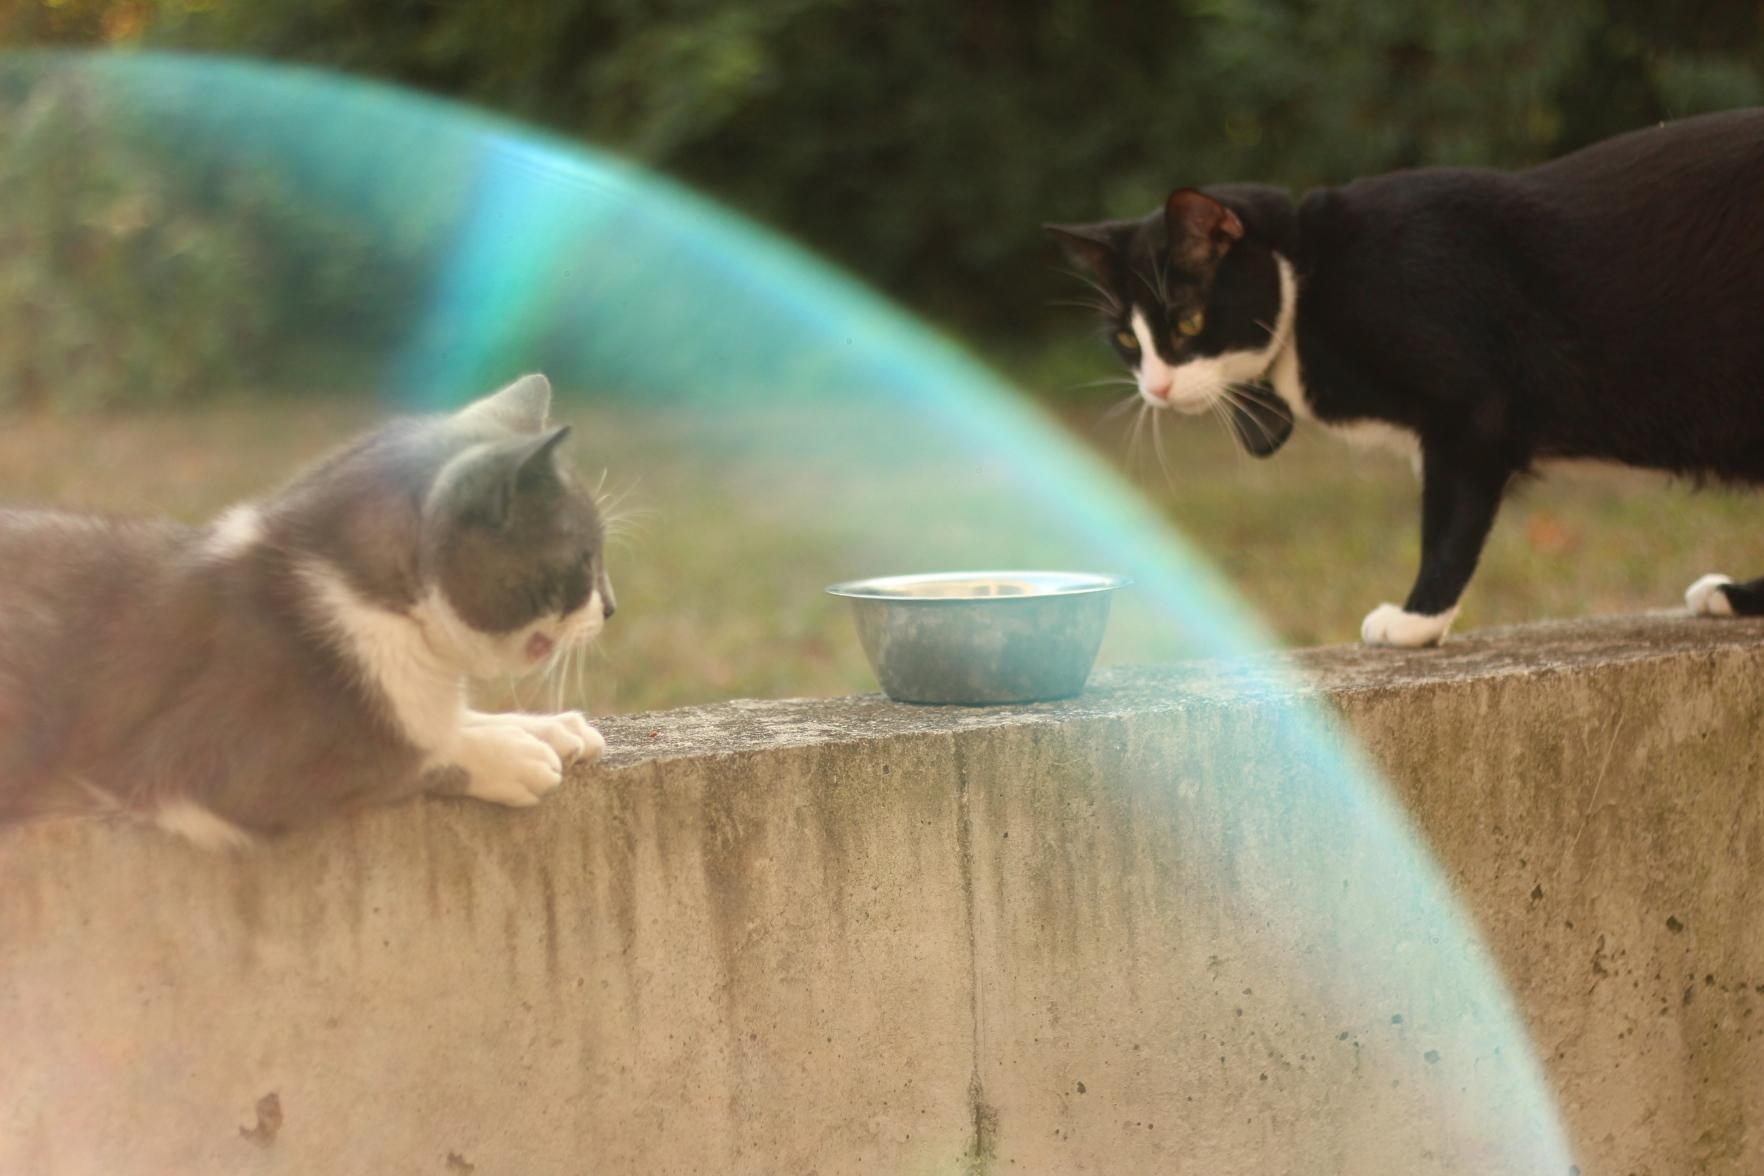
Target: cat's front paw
1389	625
568	733
506	765
1705	598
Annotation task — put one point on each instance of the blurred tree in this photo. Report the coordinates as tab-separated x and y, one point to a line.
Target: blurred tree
137	268
921	142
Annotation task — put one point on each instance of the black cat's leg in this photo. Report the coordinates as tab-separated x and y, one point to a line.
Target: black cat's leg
1460	493
1719	596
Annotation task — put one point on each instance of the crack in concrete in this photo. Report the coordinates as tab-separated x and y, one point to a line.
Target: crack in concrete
983	1147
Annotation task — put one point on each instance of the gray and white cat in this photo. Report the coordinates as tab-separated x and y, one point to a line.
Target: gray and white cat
307	653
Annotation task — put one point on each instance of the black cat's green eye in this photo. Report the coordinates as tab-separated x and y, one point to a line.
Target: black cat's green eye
1192	325
1126	339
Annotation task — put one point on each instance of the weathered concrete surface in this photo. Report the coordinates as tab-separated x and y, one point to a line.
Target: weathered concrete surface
1132	932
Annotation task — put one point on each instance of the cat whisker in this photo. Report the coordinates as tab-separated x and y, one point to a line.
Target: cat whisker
1083	304
1217	410
1158	448
624	526
560	678
578	694
609	503
1154	279
618	513
1102	291
1126	402
1239	399
1082	276
1106	380
1137	441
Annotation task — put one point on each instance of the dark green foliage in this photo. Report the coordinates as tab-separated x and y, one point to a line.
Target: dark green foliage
921	143
94	245
141	263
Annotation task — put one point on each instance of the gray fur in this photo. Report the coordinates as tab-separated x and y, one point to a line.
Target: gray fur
145	662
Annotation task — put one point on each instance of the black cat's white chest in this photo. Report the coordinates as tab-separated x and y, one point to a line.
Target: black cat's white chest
1328	403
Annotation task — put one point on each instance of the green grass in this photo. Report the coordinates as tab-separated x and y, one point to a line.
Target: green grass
718	604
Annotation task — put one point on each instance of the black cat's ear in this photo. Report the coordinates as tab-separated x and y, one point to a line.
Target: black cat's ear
1199	228
497	477
1087	246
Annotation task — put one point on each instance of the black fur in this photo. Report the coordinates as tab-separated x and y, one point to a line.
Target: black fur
1609	304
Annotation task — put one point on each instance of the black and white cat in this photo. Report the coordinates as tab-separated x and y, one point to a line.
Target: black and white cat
1609	304
307	653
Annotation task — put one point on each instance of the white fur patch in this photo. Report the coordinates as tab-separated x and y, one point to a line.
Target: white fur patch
424	687
505	764
1197	385
1370	434
1390	625
236	531
568	734
201	828
1153	374
419	660
477	654
1287	377
1284	373
1703	599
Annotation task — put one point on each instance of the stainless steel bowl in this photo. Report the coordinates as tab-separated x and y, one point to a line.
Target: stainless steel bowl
981	637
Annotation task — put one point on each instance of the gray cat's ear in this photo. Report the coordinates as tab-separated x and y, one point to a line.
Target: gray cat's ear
489	487
1199	228
522	406
1087	246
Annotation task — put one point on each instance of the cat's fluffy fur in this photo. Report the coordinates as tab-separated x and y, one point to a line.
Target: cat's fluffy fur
1609	304
307	653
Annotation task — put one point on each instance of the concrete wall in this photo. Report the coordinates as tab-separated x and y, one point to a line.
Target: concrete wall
1152	929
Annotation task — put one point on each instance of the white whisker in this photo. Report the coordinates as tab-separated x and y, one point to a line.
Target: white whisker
1242	401
1125	403
1217	410
1158	447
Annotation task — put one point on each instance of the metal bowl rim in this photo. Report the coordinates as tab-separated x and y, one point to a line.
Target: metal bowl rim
1080	584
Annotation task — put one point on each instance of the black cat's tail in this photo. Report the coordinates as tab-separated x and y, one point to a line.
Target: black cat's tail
1719	596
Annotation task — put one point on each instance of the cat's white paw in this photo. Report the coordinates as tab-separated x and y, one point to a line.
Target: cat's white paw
506	765
1389	625
201	828
1704	601
586	743
567	733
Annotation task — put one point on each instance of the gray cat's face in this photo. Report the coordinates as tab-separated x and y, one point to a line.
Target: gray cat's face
513	547
470	524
